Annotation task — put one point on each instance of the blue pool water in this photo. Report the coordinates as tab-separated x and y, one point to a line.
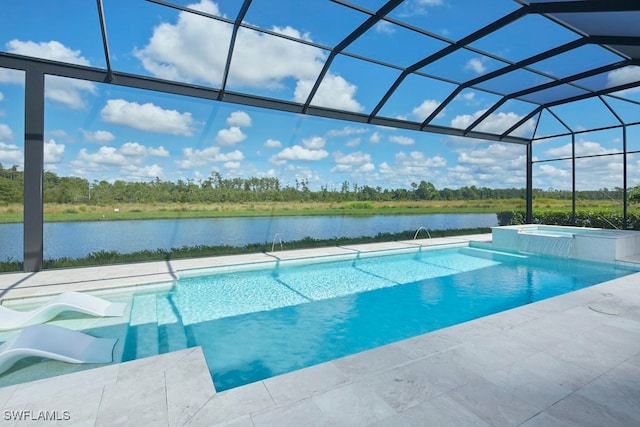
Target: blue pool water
257	323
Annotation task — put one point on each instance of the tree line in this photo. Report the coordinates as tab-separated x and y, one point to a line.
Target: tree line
217	189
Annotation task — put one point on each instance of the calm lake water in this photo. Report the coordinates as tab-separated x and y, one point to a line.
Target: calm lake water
78	239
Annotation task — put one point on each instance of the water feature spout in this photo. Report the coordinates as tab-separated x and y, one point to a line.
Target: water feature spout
276	237
418	231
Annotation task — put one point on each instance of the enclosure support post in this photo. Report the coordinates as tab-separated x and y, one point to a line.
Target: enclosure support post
573	178
33	170
529	195
624	177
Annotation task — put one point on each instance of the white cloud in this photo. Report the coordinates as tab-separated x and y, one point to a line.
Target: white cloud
334	92
592	173
583	148
418	159
367	167
418	7
230	137
128	160
101	136
196	158
384	27
10	155
142	173
240	119
352	159
358	160
476	65
353	142
272	143
147	117
341	169
105	156
69	92
177	51
495	123
53	153
314	143
157	152
385	168
134	149
346	131
492	154
546	171
624	75
375	138
5	132
1	96
12	76
425	109
495	165
231	165
410	167
297	152
48	50
402	140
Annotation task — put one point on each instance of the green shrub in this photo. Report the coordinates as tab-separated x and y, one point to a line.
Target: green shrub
360	205
511	217
588	218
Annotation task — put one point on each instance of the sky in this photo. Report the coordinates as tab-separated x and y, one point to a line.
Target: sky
106	132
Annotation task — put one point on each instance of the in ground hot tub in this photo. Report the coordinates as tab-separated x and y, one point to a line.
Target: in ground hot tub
596	244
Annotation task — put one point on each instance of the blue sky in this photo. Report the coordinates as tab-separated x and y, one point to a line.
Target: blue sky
100	131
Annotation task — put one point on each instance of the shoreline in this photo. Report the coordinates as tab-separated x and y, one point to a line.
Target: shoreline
77	213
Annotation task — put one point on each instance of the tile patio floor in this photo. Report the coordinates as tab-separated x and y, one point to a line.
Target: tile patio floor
572	360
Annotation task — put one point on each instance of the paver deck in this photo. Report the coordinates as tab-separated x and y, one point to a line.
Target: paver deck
571	360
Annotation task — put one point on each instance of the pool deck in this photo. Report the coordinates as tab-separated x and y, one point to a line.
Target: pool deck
571	360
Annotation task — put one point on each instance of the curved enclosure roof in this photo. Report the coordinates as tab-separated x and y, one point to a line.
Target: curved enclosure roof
412	64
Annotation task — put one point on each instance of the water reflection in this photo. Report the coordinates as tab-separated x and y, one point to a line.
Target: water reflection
78	239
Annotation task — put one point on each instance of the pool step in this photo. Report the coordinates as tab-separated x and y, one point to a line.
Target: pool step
171	333
142	338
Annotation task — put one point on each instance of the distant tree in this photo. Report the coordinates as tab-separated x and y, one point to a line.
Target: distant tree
634	194
425	191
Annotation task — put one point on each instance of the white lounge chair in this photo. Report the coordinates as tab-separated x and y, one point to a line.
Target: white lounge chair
68	301
55	342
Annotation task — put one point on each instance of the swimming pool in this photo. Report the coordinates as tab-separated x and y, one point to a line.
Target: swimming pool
269	318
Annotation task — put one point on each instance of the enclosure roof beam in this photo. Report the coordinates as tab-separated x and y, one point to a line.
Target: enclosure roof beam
549	85
451	48
98	75
236	26
105	40
362	28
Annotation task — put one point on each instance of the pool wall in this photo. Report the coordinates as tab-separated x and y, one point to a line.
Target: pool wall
593	244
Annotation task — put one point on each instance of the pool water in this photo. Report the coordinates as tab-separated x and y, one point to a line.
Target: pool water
260	323
260	320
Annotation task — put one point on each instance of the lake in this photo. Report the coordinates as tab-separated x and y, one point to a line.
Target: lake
78	239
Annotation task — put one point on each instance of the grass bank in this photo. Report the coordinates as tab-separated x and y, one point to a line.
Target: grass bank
70	212
13	213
